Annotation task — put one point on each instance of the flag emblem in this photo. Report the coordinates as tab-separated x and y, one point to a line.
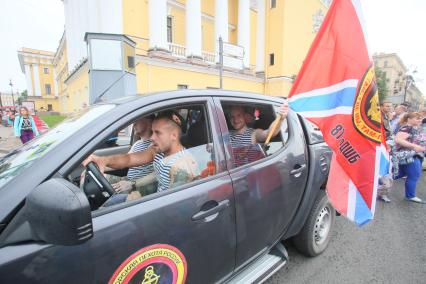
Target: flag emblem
366	116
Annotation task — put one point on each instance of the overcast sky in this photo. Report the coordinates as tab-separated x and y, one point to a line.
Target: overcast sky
392	25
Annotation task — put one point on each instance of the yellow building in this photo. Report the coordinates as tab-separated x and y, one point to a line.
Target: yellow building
401	85
177	43
38	67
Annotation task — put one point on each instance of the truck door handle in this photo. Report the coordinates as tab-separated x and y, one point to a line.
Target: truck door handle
298	169
212	213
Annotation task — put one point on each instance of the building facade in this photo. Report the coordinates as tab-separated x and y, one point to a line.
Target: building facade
7	100
40	74
401	85
177	44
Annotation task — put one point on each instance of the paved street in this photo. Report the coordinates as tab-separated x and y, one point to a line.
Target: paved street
7	141
391	249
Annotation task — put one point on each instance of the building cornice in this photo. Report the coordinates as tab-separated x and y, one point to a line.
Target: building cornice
79	68
194	68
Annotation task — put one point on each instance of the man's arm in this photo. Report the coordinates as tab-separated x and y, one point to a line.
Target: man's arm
260	135
123	160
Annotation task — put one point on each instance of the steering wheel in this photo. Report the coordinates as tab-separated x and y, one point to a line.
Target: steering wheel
96	186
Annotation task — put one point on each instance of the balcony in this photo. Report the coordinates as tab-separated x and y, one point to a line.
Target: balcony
179	51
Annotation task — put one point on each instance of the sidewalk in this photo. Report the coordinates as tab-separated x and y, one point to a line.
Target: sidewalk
7	141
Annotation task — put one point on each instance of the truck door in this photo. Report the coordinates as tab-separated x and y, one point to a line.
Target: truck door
268	185
184	232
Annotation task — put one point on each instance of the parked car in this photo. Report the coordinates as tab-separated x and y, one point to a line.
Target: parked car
225	226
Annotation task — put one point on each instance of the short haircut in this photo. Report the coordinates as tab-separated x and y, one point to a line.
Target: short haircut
385	102
173	117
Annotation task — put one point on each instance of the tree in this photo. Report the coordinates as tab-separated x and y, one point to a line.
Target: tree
382	83
22	97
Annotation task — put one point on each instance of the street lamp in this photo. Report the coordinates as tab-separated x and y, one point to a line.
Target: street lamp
408	81
11	88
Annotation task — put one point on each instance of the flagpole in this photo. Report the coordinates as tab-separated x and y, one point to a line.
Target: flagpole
273	128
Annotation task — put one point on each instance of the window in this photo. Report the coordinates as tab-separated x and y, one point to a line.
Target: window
248	126
181	86
169	29
273	4
49	107
131	62
271	59
195	161
385	64
106	54
46	70
48	89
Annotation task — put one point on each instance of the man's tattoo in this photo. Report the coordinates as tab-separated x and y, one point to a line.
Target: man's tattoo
180	177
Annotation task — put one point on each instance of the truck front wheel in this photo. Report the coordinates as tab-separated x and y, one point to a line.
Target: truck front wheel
315	235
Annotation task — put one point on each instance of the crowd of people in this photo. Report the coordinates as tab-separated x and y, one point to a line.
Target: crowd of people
406	141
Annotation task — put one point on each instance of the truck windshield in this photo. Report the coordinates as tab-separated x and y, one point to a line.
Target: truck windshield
20	158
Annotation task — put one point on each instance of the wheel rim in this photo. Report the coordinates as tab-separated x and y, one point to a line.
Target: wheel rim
322	225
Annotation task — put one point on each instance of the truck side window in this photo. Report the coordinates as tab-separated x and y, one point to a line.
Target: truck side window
196	160
247	124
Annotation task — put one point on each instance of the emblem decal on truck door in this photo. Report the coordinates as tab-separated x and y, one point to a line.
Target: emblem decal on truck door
154	264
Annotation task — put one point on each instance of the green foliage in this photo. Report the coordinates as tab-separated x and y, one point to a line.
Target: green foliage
382	83
22	97
52	120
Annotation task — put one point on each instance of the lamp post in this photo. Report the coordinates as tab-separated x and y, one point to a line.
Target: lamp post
408	81
11	88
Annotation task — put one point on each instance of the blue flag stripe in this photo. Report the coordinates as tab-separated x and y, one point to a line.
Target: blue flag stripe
342	98
362	212
384	165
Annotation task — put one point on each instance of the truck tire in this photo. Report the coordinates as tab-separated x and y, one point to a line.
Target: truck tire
315	235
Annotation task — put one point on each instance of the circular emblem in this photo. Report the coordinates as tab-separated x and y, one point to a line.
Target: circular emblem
152	265
366	115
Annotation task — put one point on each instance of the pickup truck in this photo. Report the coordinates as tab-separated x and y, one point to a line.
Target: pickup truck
224	226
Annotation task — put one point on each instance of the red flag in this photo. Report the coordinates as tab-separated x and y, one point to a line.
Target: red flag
336	90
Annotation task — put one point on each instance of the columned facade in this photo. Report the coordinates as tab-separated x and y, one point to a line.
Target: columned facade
221	23
36	74
158	25
244	30
193	28
260	39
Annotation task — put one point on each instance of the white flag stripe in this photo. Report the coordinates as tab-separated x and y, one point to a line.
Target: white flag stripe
352	83
351	201
325	113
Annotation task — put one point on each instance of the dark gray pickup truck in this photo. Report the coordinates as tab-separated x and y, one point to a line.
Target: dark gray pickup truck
225	225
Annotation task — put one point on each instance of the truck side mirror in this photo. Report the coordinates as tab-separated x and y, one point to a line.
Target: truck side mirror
59	213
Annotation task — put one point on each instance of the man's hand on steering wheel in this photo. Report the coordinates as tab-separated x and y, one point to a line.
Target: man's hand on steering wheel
93	171
99	161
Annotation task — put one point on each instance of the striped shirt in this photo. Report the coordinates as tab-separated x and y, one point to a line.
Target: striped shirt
162	167
140	171
243	149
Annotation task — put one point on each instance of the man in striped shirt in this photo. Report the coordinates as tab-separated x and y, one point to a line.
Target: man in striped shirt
142	129
173	165
244	139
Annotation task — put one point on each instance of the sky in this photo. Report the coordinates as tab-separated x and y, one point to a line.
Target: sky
393	26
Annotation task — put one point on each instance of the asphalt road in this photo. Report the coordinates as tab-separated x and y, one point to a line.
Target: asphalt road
390	249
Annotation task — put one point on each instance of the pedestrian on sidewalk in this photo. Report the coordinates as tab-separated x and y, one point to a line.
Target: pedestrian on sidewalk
385	182
410	153
24	126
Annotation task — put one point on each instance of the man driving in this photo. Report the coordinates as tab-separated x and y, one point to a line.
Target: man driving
173	165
